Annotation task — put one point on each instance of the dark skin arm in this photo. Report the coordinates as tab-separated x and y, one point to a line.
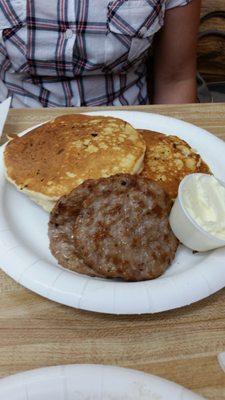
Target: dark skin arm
175	56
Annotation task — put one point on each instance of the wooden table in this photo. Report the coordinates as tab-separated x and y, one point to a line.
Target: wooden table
180	345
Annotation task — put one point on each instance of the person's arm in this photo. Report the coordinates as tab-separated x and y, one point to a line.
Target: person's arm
175	56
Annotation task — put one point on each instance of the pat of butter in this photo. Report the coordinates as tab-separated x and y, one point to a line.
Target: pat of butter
204	199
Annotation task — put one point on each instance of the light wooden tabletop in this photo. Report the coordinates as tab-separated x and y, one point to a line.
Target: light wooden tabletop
180	345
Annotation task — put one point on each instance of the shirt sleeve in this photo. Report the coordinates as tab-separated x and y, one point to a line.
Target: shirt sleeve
176	3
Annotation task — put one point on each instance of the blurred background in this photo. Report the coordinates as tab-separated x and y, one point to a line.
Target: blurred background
211	51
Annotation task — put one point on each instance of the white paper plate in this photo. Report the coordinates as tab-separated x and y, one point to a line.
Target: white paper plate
221	360
24	253
90	382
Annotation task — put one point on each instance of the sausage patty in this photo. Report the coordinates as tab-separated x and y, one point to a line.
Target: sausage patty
61	223
115	227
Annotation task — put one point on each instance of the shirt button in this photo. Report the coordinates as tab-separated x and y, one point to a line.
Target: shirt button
68	34
143	30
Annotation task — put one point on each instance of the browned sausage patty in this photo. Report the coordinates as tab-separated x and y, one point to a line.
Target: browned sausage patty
61	224
118	228
122	230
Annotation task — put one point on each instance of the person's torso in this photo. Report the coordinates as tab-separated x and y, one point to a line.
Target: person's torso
76	52
78	37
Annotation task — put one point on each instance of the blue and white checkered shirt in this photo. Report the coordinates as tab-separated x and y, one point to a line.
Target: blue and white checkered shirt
77	52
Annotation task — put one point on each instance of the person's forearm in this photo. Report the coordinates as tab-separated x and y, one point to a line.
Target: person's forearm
175	55
175	91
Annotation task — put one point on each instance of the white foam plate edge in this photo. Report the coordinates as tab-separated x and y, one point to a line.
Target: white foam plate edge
119	297
90	382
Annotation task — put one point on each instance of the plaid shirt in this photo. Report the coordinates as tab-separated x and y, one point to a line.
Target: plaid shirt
77	52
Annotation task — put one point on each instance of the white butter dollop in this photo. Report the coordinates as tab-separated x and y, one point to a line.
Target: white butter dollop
204	199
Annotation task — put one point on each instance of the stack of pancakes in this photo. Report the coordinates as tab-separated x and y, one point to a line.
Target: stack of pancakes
51	160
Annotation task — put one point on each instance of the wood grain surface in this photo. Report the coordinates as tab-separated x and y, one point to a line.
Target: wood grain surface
212	5
181	345
211	57
211	45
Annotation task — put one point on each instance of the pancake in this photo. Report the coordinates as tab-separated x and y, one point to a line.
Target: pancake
168	159
51	160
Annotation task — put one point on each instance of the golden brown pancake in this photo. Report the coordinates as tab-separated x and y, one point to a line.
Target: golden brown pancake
168	159
53	159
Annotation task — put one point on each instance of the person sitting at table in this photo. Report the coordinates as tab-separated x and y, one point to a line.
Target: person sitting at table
69	53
